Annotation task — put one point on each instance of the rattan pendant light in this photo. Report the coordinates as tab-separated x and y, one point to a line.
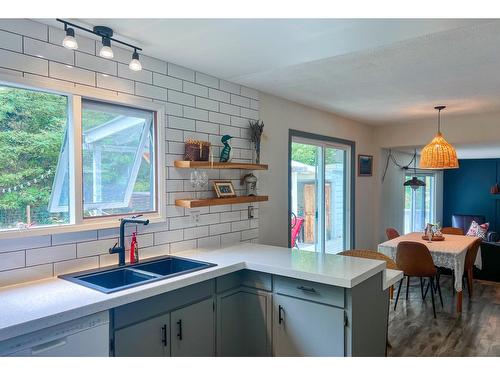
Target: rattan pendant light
438	154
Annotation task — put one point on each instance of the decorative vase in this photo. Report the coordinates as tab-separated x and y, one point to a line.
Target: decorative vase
257	152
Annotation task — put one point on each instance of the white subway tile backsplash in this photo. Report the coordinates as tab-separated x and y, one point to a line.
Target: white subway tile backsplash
13	244
150	63
18	61
195	113
75	265
141	75
12	260
194	89
94	63
74	237
150	91
24	27
48	51
167	82
180	72
218	95
229	87
208	104
250	113
196	232
181	123
182	246
114	83
249	93
204	79
50	254
240	100
23	275
11	41
168	236
71	73
173	109
198	106
207	127
220	118
230	238
180	98
220	228
229	109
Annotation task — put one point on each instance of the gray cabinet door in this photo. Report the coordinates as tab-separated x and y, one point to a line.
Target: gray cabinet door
244	323
303	328
193	330
145	339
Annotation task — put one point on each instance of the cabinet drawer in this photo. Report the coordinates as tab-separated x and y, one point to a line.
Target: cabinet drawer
330	295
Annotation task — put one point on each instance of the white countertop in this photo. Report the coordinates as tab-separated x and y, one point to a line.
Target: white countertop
28	307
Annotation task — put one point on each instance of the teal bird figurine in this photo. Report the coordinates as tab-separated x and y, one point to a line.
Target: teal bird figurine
226	152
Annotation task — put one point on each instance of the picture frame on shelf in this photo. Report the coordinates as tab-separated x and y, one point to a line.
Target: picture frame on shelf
224	189
365	165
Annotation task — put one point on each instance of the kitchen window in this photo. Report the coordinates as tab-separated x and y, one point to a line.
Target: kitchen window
420	204
70	162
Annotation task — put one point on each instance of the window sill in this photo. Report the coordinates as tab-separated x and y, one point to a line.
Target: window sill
73	228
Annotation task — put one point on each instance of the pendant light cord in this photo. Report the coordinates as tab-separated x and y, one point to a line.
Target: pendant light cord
390	157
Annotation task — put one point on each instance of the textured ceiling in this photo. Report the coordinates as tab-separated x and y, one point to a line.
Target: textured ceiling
374	70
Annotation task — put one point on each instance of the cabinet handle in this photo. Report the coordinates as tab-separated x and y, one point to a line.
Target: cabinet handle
164	335
306	289
280	317
179	324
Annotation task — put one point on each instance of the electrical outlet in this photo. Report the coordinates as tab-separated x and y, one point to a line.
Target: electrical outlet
250	212
195	216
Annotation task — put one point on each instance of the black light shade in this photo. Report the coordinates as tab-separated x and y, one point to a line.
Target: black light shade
414	183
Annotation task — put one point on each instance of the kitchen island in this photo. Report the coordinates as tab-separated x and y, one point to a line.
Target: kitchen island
296	293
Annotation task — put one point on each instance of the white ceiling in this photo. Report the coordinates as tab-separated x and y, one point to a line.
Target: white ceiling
374	70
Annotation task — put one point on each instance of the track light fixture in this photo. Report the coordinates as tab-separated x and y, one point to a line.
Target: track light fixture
135	64
107	36
69	40
106	50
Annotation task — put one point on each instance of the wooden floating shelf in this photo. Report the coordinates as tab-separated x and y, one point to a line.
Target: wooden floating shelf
218	165
193	203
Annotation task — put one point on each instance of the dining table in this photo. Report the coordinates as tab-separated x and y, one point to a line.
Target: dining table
449	253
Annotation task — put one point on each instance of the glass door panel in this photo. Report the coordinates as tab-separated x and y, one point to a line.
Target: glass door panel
306	195
335	200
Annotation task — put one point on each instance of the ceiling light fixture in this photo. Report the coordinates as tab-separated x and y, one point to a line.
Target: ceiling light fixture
69	40
135	64
414	183
439	154
107	36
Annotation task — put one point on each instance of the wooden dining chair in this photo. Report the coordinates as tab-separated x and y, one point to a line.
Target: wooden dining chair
372	254
470	258
415	260
391	233
453	230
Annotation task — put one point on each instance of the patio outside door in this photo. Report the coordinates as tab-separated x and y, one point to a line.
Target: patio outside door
320	195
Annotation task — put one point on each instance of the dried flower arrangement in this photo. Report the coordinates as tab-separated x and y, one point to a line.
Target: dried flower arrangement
256	130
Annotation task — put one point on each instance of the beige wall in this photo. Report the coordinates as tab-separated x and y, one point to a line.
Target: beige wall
280	115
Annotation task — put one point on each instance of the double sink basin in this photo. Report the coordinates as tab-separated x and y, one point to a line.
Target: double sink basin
114	279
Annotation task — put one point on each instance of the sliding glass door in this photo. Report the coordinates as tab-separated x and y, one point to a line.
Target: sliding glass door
320	197
420	204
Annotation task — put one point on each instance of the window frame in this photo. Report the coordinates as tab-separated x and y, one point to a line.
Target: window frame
75	94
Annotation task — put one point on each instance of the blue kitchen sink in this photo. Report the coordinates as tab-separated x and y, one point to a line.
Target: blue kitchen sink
114	279
171	266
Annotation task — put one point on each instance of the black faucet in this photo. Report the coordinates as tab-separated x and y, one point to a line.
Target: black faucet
120	245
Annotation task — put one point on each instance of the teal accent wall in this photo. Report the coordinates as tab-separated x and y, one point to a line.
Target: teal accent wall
466	190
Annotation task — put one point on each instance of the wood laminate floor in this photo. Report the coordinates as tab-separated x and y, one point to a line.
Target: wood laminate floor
413	331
